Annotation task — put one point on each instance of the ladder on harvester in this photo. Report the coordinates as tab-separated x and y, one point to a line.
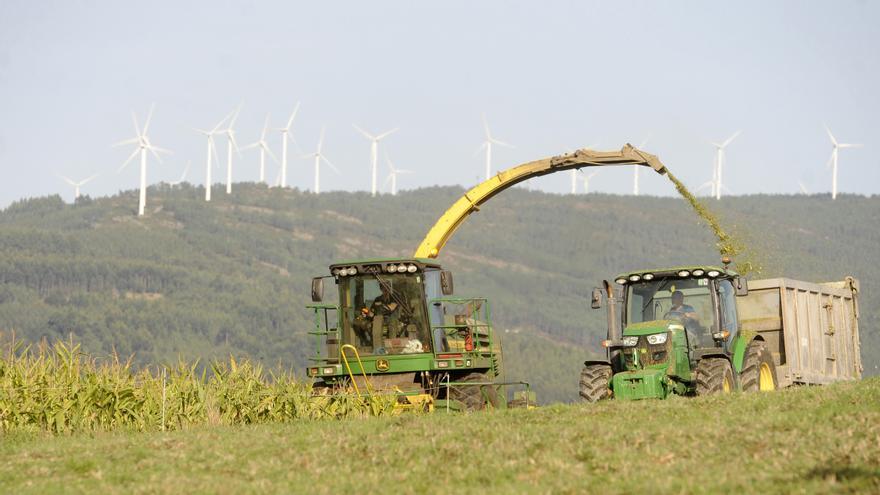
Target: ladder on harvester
367	386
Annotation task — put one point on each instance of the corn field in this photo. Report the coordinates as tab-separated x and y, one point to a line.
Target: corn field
59	389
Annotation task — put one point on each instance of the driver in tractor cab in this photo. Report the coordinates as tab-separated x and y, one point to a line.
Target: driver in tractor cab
687	314
391	305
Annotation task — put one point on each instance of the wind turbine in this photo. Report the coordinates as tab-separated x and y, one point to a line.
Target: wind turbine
319	157
77	185
230	145
212	149
636	169
285	136
182	176
587	178
392	175
833	160
374	152
143	145
487	145
719	163
264	148
803	188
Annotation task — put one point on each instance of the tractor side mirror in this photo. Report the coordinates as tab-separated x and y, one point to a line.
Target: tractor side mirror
446	284
317	289
596	298
742	286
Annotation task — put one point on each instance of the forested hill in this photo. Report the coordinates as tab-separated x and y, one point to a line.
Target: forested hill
204	280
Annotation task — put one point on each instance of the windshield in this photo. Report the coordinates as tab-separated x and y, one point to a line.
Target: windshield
384	314
687	300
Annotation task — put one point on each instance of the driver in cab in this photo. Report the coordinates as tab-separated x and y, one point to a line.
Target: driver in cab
681	310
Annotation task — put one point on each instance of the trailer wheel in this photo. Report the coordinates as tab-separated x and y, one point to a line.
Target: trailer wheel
714	375
596	382
474	397
759	370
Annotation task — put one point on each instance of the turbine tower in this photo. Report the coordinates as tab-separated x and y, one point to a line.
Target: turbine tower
264	148
182	176
286	136
76	185
392	175
719	163
319	157
833	160
230	145
374	152
212	149
487	145
143	145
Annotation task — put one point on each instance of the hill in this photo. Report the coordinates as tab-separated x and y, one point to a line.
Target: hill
205	280
801	440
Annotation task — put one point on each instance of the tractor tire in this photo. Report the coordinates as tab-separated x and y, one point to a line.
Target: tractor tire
596	382
714	376
759	370
474	397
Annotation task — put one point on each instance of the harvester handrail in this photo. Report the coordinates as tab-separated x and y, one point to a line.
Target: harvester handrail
447	224
351	375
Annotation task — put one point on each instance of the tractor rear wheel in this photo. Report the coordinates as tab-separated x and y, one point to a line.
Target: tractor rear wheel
759	370
713	376
474	397
595	382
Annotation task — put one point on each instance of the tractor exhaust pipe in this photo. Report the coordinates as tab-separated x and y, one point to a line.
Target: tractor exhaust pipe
614	331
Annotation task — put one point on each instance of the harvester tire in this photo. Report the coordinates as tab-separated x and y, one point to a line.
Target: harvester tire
759	370
714	376
474	397
596	382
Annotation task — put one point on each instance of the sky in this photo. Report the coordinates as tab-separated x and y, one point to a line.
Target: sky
550	76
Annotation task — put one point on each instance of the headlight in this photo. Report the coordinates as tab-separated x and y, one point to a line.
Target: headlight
684	273
648	276
634	278
412	268
620	281
713	273
392	268
657	338
698	273
631	341
352	271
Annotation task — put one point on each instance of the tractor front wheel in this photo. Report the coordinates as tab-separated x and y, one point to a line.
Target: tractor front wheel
474	397
759	370
596	382
714	376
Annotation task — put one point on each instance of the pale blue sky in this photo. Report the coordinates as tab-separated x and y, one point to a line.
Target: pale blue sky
549	75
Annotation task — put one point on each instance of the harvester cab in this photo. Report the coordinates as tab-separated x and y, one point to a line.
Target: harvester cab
396	328
679	333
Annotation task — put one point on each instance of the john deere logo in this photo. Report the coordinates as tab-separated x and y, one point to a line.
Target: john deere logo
382	365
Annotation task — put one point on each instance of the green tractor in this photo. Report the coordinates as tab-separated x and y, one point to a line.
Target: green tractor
680	335
395	329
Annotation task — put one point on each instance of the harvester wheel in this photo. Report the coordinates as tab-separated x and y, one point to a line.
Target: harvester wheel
596	382
714	375
474	397
759	370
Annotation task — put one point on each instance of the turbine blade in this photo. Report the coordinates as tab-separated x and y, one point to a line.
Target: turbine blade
65	179
149	118
731	138
365	133
130	157
137	129
321	139
88	180
833	141
265	129
292	116
486	126
502	143
153	151
481	148
849	145
645	141
219	124
386	133
328	162
269	151
127	141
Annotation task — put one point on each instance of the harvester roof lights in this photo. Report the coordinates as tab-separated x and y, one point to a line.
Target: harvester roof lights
657	338
620	281
713	273
329	371
412	268
684	273
392	268
635	278
352	270
336	271
699	273
631	341
648	276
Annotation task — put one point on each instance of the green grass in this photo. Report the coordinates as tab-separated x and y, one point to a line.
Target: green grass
804	440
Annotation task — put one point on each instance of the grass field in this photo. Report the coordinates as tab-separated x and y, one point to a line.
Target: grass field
805	440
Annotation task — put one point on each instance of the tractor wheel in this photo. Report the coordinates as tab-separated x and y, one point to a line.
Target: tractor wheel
596	382
759	371
474	397
714	375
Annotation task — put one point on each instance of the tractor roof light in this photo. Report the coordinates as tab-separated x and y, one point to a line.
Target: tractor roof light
699	273
392	268
648	276
684	273
713	273
620	281
635	278
412	268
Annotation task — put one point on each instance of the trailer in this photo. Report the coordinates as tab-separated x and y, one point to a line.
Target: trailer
811	330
